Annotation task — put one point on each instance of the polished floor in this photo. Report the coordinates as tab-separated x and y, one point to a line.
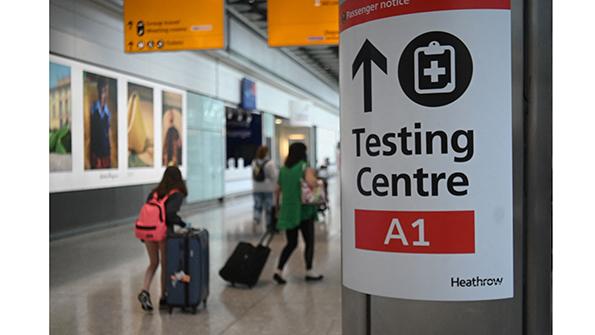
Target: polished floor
94	280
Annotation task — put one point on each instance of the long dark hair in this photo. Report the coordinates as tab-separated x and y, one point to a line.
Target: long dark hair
172	179
297	153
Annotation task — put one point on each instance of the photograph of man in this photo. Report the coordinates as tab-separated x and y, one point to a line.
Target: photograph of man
172	129
100	123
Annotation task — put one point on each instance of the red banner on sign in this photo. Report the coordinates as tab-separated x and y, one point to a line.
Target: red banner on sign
436	232
356	12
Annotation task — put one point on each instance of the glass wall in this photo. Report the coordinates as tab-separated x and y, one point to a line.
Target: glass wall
206	148
268	133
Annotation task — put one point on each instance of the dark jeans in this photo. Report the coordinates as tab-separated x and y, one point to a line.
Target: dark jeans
307	229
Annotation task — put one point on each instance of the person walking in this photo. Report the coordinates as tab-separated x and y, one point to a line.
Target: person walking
293	215
264	180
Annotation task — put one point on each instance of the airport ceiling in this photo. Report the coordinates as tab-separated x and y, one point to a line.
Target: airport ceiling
322	61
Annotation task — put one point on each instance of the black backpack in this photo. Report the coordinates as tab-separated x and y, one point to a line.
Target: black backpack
258	171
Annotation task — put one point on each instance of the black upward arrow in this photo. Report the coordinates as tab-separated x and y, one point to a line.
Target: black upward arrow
366	55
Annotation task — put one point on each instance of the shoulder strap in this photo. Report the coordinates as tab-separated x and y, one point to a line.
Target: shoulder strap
164	199
304	167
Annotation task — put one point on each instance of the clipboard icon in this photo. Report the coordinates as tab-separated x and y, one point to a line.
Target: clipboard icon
434	69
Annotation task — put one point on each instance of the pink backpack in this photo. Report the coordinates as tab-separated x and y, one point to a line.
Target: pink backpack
150	225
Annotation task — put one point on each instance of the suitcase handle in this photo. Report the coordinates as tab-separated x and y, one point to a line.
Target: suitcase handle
268	234
188	231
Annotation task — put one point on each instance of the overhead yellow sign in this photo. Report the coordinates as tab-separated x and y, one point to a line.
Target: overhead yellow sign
303	22
159	25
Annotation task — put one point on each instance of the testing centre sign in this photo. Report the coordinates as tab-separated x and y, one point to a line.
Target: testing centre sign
157	25
426	141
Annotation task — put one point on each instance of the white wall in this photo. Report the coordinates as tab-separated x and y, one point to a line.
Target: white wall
326	145
90	33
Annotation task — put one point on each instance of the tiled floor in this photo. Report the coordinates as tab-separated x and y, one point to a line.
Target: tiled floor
94	280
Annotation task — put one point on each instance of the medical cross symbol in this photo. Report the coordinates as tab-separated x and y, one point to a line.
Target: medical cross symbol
434	71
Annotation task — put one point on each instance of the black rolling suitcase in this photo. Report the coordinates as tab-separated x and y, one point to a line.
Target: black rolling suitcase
245	264
187	277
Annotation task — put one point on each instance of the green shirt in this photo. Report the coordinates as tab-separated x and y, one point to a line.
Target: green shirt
291	211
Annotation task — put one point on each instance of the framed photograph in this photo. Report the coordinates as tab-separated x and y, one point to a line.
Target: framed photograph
172	131
141	145
100	110
60	118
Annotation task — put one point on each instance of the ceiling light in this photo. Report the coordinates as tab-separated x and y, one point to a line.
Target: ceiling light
297	137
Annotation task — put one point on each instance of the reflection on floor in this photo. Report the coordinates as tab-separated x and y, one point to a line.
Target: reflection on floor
94	280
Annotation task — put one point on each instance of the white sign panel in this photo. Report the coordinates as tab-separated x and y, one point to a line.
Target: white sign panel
426	149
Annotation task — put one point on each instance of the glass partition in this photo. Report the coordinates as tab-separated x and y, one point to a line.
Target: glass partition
206	148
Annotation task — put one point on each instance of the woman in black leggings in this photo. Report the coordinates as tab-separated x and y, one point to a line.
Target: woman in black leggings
293	215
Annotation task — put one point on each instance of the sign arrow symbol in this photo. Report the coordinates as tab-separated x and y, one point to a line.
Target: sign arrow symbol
366	55
129	25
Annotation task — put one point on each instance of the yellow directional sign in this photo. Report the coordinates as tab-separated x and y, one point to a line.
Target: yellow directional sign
159	25
303	22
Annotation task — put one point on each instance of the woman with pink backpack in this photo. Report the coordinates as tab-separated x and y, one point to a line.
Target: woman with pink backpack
157	217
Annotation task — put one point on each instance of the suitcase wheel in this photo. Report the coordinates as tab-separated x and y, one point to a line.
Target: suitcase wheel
205	303
184	309
170	310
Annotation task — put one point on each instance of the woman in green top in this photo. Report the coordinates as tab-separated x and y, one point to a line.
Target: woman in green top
293	215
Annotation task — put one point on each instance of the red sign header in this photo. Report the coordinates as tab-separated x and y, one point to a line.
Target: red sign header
356	12
416	232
